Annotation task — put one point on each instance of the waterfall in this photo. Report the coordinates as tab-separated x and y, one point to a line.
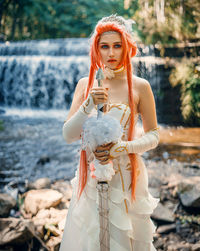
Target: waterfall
43	74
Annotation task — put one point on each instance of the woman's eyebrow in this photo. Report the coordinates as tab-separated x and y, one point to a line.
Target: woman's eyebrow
113	43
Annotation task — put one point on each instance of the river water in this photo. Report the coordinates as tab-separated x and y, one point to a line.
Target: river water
32	146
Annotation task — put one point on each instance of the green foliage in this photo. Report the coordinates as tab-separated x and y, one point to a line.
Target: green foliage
191	219
187	74
40	19
168	22
161	21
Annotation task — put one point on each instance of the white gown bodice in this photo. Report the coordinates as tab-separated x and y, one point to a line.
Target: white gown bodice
128	220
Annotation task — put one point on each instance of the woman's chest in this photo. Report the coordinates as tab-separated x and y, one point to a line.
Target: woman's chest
120	94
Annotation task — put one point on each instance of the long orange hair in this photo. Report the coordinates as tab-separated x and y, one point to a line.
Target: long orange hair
129	50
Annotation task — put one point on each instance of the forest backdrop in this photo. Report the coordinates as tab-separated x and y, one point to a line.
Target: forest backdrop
158	22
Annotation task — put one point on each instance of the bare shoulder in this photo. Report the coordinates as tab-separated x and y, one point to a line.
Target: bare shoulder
80	88
78	97
82	83
141	84
144	92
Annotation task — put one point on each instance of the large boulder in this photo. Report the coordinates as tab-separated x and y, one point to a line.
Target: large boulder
41	183
7	202
188	190
174	179
63	187
41	199
15	231
165	229
163	214
50	216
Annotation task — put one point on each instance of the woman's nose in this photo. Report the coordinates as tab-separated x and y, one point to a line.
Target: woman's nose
111	52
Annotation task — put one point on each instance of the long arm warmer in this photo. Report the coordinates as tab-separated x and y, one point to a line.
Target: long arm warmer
72	128
148	141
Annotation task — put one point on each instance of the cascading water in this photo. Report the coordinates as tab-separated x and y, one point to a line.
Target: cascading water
43	74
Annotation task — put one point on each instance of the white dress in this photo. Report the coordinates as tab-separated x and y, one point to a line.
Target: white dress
131	228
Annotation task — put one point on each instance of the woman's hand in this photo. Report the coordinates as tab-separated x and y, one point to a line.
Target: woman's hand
102	153
99	95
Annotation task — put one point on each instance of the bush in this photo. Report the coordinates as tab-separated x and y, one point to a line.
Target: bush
187	74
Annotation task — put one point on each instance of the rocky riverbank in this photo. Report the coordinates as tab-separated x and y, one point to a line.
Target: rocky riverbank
36	220
35	173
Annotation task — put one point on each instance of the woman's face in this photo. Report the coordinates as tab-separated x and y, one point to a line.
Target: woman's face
111	50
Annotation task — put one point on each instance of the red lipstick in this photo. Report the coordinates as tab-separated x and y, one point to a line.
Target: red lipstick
112	60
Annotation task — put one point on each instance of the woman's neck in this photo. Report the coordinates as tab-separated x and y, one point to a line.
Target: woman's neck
118	74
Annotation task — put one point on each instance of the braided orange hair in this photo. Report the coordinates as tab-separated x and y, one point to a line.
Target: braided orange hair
129	50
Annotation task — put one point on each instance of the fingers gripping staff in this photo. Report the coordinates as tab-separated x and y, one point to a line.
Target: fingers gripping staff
99	76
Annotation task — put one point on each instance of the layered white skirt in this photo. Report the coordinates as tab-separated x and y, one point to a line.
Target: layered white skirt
131	228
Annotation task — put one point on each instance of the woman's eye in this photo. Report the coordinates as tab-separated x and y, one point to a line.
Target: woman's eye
118	46
104	46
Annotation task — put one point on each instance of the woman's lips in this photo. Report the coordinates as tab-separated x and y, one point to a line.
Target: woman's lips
112	60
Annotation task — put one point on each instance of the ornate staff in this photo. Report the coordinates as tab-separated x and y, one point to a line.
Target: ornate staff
102	187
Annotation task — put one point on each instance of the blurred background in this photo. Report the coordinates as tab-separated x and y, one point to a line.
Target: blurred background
44	48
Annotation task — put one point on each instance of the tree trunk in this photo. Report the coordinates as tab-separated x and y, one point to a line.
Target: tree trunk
3	8
12	35
20	21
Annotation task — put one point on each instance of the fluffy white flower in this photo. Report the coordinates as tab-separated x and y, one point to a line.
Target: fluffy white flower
98	132
101	131
103	172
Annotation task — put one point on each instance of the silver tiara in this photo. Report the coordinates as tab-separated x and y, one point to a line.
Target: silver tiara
120	20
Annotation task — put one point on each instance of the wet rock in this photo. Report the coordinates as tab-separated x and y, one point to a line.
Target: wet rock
189	191
61	224
155	192
63	187
180	247
191	166
15	231
196	247
184	230
13	192
170	240
40	199
54	243
41	183
155	182
52	229
43	160
159	243
165	229
174	179
50	216
165	155
7	202
162	214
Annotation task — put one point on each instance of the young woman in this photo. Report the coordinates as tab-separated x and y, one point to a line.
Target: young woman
124	96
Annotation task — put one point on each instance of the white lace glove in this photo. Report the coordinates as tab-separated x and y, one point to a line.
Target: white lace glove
73	127
148	141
